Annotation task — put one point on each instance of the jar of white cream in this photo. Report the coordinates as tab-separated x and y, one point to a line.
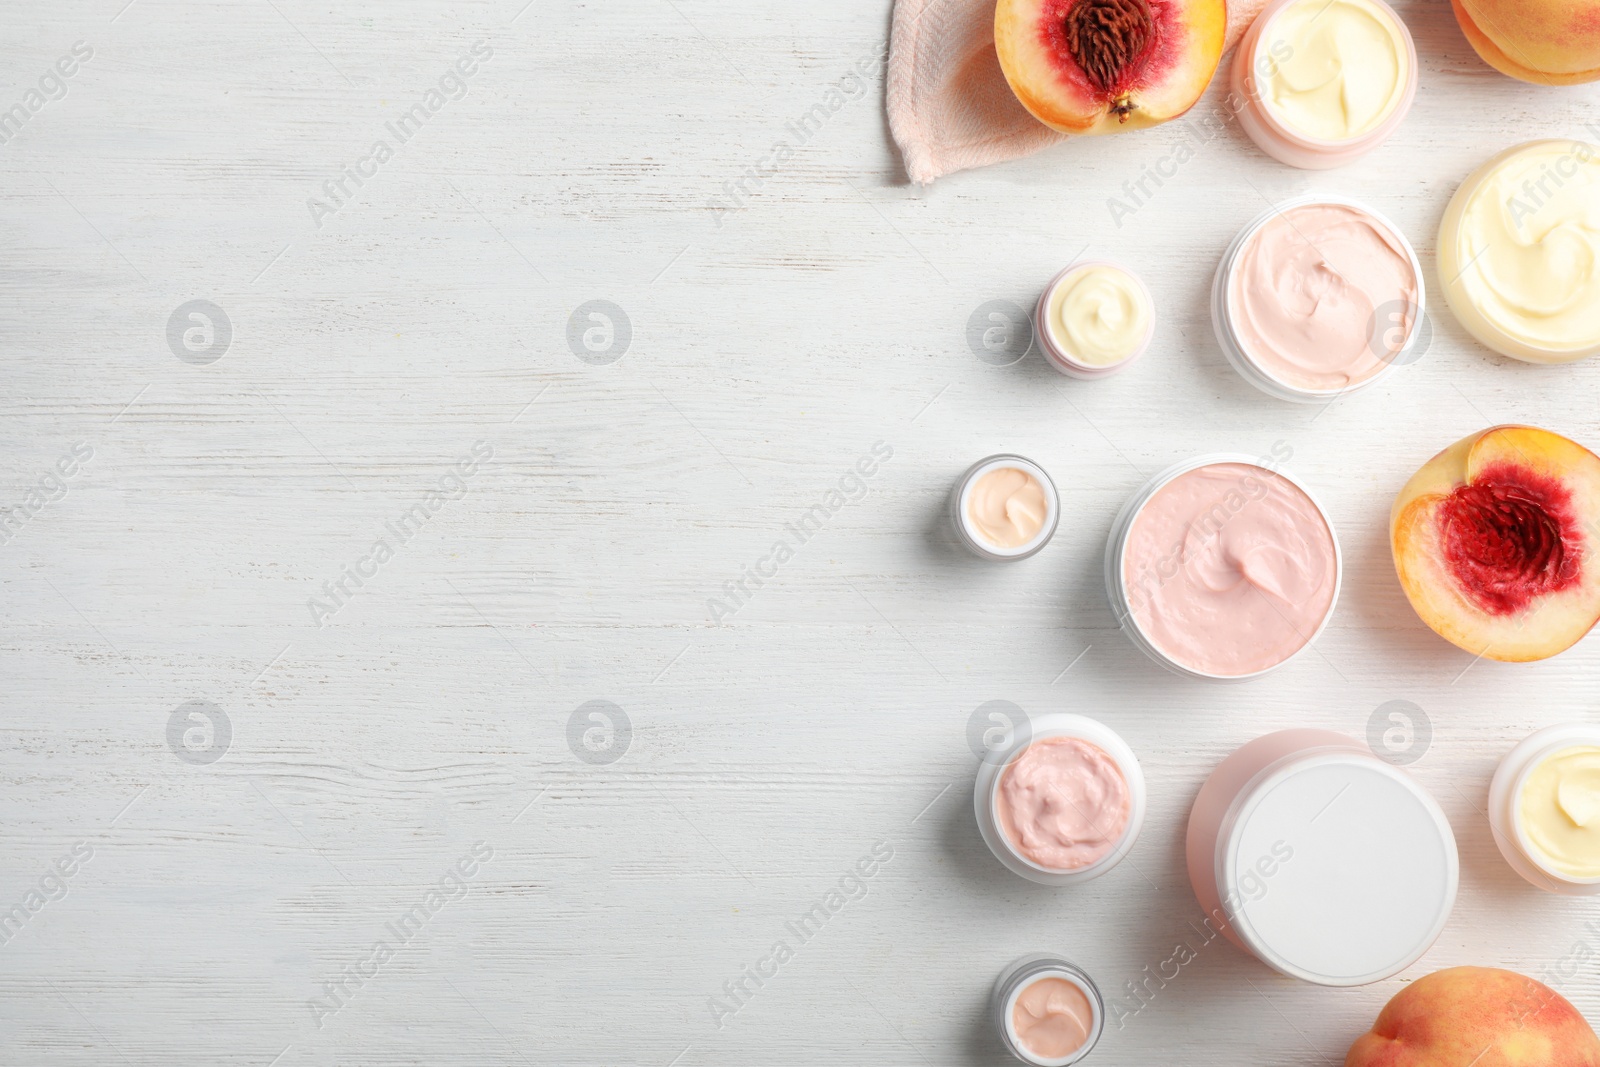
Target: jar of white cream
1323	82
1544	808
1094	319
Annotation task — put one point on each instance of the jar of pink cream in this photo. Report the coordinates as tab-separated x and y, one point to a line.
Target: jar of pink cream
1318	297
1004	508
1224	567
1320	859
1320	83
1065	804
1047	1010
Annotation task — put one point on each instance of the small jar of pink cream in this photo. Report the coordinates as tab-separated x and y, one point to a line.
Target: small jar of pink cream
1047	1010
1004	508
1318	297
1320	83
1321	860
1064	805
1223	567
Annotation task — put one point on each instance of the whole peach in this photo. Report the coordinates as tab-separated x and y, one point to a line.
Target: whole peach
1547	42
1480	1016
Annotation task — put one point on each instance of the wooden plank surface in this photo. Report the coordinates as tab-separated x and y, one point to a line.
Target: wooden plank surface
371	748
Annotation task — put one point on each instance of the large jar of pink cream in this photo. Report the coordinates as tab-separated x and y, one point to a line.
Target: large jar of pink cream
1224	567
1320	859
1319	296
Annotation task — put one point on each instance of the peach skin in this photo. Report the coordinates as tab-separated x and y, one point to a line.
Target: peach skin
1480	1016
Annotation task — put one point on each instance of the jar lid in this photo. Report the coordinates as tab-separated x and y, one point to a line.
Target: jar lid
1338	869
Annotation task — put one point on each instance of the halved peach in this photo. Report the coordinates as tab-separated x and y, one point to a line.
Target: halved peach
1547	42
1497	543
1101	66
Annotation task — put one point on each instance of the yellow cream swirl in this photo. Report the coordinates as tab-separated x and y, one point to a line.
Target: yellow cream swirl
1333	69
1524	247
1101	315
1559	811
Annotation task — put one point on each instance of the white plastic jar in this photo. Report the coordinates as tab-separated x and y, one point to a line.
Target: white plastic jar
1383	279
989	802
1320	859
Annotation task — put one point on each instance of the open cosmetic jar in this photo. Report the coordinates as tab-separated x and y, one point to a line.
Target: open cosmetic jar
1094	319
1047	1011
1005	508
1223	567
1064	804
1323	82
1544	807
1320	859
1520	250
1318	297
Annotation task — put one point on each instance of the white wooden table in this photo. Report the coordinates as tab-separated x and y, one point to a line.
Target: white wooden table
370	743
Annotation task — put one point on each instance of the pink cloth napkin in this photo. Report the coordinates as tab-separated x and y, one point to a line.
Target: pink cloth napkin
949	105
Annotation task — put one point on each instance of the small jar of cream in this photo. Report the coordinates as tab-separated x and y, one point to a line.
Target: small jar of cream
1063	806
1047	1010
1320	859
1094	319
1544	807
1317	297
1005	508
1519	248
1323	82
1223	568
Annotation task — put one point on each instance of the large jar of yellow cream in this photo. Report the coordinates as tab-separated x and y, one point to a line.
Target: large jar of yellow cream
1544	807
1519	252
